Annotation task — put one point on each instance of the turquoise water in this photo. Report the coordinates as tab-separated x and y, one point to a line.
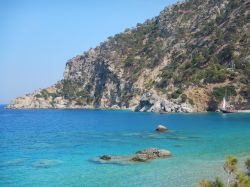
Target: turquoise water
57	147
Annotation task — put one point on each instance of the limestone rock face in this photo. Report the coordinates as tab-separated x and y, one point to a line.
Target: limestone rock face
154	103
173	62
36	100
30	101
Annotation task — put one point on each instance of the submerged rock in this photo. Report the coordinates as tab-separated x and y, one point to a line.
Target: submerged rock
161	128
45	163
14	162
140	156
105	157
178	145
114	159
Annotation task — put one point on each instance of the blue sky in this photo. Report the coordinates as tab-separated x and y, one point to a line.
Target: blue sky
37	37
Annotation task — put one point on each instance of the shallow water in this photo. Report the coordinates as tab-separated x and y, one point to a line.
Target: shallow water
57	147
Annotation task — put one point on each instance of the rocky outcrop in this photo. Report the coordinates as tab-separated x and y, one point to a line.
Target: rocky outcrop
179	61
150	154
140	156
43	99
154	103
30	101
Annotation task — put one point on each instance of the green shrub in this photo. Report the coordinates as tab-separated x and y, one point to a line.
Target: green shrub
162	84
220	92
226	54
235	178
215	74
208	28
198	59
82	93
176	94
38	95
233	4
247	163
245	92
207	183
190	101
240	64
69	89
242	180
53	95
183	98
129	61
44	93
220	19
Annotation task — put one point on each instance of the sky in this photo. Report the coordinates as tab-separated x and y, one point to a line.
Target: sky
37	37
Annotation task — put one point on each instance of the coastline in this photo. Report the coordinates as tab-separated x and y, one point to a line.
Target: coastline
115	109
243	111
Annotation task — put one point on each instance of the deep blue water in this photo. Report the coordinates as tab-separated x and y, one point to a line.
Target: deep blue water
57	147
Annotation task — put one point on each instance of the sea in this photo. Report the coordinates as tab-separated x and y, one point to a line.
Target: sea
57	148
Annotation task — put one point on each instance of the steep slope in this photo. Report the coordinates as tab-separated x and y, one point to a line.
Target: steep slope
180	61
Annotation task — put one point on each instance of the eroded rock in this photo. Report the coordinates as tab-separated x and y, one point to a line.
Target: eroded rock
161	128
154	103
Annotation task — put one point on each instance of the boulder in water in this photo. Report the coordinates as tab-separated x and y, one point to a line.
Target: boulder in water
164	153
153	153
161	128
150	154
140	158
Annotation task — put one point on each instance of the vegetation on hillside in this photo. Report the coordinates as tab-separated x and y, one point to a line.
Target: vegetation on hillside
236	177
194	44
217	53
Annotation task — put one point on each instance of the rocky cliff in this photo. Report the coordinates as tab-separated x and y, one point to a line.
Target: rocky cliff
180	61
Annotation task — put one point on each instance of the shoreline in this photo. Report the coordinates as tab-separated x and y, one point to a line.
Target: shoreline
115	109
243	111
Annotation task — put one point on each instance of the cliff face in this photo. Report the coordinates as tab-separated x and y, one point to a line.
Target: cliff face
180	61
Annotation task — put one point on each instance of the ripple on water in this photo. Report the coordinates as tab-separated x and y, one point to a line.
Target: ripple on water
170	136
178	145
116	160
13	162
41	146
46	163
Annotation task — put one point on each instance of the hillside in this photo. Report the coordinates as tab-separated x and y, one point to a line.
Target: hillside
180	61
